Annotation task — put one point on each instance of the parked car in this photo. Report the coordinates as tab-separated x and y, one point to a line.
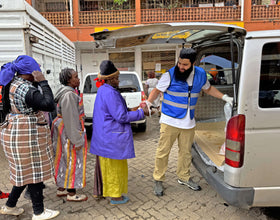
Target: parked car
130	87
248	174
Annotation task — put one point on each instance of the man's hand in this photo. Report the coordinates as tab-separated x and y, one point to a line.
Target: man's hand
227	99
38	76
148	105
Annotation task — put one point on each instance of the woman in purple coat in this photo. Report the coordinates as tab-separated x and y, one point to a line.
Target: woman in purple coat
112	139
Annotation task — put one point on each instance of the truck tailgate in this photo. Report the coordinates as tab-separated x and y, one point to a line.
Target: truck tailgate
210	136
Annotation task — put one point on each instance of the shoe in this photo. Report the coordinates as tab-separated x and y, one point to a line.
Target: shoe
192	185
5	210
116	202
47	214
61	193
158	189
77	198
4	195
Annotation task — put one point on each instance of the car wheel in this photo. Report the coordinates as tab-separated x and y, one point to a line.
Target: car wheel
142	127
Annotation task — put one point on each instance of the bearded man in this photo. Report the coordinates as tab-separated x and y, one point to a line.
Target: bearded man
180	86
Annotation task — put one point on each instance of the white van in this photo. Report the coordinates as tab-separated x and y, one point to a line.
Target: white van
131	89
248	174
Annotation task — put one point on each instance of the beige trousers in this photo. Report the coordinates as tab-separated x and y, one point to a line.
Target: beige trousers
168	136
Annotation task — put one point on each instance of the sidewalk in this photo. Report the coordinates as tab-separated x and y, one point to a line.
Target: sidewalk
179	202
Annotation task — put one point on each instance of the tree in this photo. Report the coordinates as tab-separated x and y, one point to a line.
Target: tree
119	2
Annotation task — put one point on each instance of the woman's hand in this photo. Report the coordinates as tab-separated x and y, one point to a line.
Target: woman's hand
38	76
134	108
144	106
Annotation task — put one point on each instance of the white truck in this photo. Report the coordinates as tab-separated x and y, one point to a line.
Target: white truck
248	174
24	31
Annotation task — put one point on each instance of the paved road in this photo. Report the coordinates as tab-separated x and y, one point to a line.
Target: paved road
179	202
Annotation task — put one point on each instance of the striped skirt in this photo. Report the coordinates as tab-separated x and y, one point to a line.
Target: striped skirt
69	165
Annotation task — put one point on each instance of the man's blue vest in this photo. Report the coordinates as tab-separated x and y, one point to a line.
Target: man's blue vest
179	96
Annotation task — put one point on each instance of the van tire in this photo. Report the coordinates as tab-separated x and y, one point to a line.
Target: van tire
142	127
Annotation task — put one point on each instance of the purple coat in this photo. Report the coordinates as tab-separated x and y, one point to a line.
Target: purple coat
111	129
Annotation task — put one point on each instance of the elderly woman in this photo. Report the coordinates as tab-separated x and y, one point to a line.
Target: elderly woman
25	135
112	139
69	138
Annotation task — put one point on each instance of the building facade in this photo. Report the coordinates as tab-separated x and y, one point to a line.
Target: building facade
77	19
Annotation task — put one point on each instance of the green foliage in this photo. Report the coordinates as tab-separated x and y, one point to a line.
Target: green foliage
175	4
171	4
119	2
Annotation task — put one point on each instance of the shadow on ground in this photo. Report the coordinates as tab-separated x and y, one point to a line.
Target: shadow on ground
273	213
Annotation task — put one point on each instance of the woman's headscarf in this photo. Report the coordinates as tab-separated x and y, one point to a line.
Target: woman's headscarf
22	65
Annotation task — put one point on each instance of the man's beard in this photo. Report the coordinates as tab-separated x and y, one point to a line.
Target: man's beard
182	76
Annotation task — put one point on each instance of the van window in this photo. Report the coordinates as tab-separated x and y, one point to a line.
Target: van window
127	81
269	89
90	86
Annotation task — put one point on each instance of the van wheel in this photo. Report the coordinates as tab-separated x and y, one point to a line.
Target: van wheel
142	127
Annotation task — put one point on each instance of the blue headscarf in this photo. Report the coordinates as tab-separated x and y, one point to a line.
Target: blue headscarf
22	65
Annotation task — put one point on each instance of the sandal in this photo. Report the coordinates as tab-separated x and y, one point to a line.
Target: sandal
119	202
77	198
4	195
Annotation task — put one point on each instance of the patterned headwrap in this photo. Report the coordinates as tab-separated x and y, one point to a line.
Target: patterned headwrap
22	65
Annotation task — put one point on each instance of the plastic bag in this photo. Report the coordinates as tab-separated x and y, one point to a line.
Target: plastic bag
227	111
